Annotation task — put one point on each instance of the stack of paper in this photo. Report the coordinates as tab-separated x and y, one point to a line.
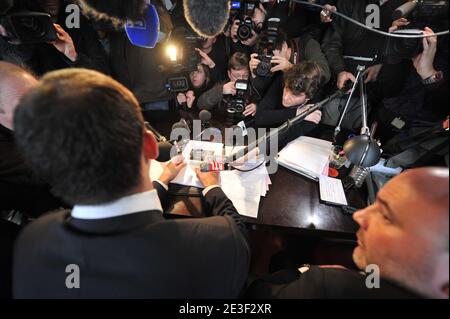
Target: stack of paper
307	156
244	189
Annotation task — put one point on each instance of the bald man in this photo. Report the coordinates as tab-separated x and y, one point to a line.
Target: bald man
403	237
20	189
14	83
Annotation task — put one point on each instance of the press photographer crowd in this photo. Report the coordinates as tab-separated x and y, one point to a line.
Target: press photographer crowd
98	199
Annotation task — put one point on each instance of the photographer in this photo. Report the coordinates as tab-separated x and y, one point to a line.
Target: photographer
76	47
285	54
199	82
245	28
214	55
289	95
423	95
346	43
237	70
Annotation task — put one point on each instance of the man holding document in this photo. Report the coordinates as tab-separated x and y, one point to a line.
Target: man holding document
115	243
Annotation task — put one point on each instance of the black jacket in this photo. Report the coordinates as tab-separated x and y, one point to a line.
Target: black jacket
324	283
140	255
347	39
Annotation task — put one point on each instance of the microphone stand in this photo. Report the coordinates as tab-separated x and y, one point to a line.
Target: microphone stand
284	128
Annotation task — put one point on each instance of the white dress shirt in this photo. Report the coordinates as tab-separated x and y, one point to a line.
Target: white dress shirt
141	202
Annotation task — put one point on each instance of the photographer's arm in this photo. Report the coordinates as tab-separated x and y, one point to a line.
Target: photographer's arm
210	99
269	112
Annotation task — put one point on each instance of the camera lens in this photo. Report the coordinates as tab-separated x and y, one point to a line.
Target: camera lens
244	32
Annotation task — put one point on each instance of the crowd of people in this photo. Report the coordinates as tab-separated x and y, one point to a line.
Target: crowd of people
72	136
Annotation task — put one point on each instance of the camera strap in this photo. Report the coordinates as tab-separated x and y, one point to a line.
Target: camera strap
296	56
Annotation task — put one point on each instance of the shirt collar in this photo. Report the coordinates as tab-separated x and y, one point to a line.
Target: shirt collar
142	202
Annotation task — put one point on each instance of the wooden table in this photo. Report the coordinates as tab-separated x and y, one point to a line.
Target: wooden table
292	202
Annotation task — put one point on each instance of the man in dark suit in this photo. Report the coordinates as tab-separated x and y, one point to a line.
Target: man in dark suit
84	133
20	188
402	246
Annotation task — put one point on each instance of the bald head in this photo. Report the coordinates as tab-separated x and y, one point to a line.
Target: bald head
14	83
406	231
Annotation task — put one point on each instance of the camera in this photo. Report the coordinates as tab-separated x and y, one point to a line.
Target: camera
28	27
182	59
180	49
421	14
243	10
266	47
264	67
245	29
236	104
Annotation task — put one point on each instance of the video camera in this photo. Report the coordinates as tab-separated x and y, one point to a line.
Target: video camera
266	47
421	14
26	27
182	58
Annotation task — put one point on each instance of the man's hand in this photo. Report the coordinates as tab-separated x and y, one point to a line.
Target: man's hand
254	62
398	23
3	32
172	169
208	179
229	88
252	41
343	77
181	98
325	14
282	64
424	61
250	110
314	117
234	30
206	60
371	73
64	44
260	15
190	98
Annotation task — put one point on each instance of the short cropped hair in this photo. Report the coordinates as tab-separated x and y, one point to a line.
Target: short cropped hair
238	61
82	132
306	77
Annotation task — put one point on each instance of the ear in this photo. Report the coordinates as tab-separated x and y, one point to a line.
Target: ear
150	147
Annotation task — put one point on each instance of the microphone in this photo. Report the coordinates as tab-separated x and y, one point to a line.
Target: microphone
115	9
144	32
215	166
205	116
207	18
159	136
165	150
404	10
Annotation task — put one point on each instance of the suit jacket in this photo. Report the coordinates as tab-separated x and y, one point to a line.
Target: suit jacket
140	255
324	283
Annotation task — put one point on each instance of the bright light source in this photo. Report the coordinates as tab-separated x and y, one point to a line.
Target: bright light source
172	53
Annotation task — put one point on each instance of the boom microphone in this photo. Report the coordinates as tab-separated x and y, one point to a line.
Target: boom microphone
207	18
404	10
117	9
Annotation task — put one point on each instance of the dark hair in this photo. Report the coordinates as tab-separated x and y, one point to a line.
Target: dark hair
82	132
305	77
238	61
